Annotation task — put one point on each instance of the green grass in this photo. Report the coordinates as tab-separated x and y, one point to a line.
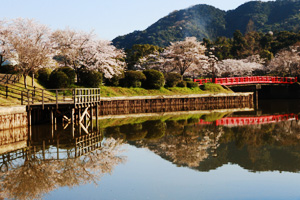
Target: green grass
120	91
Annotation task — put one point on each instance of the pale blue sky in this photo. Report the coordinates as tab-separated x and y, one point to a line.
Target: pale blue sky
108	18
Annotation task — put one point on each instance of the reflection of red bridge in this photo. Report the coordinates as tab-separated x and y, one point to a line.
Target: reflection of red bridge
242	121
249	80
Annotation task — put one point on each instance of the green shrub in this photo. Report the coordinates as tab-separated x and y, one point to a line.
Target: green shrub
154	79
43	75
115	80
58	79
181	84
191	84
133	79
69	72
172	79
89	78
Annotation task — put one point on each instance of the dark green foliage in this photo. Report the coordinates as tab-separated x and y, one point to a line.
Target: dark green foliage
58	79
115	80
154	79
203	21
241	46
191	84
133	132
187	79
9	69
133	79
69	72
43	75
181	84
89	78
172	79
156	129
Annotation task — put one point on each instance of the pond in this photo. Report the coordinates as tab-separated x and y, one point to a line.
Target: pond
227	154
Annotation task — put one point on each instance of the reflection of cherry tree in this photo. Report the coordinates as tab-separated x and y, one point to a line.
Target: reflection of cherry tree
37	177
187	149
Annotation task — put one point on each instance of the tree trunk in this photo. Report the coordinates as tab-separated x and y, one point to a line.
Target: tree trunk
25	81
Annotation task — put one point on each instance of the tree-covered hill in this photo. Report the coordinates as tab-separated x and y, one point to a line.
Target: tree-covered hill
204	21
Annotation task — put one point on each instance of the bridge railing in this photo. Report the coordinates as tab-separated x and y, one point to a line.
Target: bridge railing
249	80
242	121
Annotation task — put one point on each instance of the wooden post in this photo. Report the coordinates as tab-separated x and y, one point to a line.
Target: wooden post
29	117
44	148
56	99
85	120
51	116
74	95
55	120
6	89
91	118
57	147
22	100
43	99
96	113
72	121
79	117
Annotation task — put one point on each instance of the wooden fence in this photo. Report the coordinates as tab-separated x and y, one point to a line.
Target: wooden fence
74	96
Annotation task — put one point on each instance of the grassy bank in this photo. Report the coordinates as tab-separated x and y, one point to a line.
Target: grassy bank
14	98
119	91
116	91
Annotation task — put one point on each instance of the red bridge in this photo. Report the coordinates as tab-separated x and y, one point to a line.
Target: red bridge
249	80
242	121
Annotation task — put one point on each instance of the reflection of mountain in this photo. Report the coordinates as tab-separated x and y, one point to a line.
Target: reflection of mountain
52	161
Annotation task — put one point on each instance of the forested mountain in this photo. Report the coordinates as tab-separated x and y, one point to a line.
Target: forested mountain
204	21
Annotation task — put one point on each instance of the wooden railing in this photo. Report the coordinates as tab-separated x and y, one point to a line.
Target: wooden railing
88	143
60	96
249	80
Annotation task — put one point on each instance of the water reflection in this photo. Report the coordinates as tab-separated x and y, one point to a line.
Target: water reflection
49	161
206	142
36	161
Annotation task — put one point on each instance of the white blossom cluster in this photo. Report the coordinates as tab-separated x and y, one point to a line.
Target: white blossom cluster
31	45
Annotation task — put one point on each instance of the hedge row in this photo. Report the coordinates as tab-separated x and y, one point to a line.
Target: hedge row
64	77
150	79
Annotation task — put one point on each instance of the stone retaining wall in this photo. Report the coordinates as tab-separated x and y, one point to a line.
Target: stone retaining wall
13	117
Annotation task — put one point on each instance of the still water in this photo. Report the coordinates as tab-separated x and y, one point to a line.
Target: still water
233	154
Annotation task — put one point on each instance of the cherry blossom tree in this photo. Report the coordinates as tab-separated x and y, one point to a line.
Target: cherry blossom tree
243	67
77	49
182	57
286	62
26	42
